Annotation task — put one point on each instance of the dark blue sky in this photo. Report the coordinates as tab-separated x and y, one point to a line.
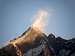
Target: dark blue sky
16	16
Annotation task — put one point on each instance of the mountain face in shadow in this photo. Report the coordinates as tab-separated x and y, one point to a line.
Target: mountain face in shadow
61	46
33	43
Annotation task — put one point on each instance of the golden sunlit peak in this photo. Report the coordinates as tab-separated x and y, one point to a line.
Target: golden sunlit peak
40	20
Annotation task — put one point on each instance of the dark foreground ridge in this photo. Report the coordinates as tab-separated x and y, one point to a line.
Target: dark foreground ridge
38	44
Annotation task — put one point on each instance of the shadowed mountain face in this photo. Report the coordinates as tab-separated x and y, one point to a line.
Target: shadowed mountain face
61	46
36	43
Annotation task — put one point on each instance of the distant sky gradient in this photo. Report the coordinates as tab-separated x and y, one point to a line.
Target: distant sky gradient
16	16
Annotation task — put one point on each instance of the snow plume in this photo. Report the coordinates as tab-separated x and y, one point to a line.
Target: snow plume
40	20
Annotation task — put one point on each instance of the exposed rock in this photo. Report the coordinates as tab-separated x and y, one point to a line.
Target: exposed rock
38	44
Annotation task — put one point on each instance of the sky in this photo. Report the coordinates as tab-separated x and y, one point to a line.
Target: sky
17	15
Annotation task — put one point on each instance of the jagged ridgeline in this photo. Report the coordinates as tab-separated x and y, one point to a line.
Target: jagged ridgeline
33	42
25	45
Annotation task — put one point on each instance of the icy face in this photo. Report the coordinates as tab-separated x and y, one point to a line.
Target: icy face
34	51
